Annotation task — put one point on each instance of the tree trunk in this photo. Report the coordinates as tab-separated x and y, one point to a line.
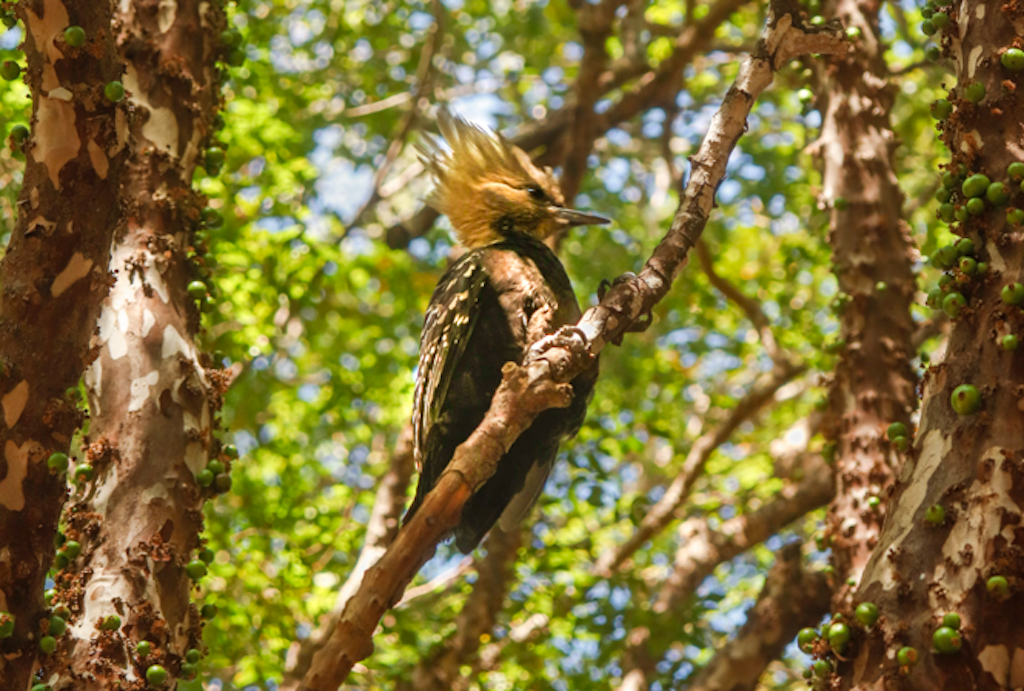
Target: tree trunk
52	280
967	462
874	381
153	399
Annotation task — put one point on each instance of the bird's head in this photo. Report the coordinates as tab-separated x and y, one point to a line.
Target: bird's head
491	190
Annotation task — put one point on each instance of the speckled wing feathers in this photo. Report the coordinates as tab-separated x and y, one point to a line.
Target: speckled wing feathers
447	328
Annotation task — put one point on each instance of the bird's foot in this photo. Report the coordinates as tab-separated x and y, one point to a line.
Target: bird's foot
570	337
641	323
606	285
643	320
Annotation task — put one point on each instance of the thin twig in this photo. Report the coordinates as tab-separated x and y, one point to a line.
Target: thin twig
701	549
437	584
424	74
381	529
750	307
791	599
442	670
662	513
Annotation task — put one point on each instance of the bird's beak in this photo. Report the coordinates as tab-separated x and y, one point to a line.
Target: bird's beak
579	218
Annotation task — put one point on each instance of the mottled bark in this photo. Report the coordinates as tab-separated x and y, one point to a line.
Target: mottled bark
791	599
874	381
153	401
540	383
972	464
52	280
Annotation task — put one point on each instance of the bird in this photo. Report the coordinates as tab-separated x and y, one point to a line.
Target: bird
506	292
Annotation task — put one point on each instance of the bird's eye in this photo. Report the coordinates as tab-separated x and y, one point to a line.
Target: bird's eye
536	192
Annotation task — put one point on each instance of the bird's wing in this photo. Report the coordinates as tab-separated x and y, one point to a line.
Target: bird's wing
446	330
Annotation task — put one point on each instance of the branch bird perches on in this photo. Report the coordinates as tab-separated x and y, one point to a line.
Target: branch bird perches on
540	382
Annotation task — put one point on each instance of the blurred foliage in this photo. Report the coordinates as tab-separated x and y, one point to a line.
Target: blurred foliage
326	320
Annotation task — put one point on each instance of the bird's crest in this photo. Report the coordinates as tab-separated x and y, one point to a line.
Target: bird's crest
485	183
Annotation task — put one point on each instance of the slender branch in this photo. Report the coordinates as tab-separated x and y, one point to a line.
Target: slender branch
662	84
693	39
385	519
438	584
790	599
902	24
541	382
595	23
383	104
750	307
664	511
441	671
424	73
702	550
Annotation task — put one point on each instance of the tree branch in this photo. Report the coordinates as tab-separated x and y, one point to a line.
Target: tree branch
693	39
790	599
702	550
385	519
424	73
541	382
595	23
441	670
662	83
662	513
750	307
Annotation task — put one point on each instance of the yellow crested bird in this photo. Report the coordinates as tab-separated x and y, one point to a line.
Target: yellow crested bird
505	293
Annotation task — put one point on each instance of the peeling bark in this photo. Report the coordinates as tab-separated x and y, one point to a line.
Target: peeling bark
52	281
153	399
972	465
874	381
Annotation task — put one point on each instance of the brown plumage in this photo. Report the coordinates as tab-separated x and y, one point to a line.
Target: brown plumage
506	292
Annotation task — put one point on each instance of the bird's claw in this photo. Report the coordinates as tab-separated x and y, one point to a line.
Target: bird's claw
642	322
605	285
568	337
639	325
